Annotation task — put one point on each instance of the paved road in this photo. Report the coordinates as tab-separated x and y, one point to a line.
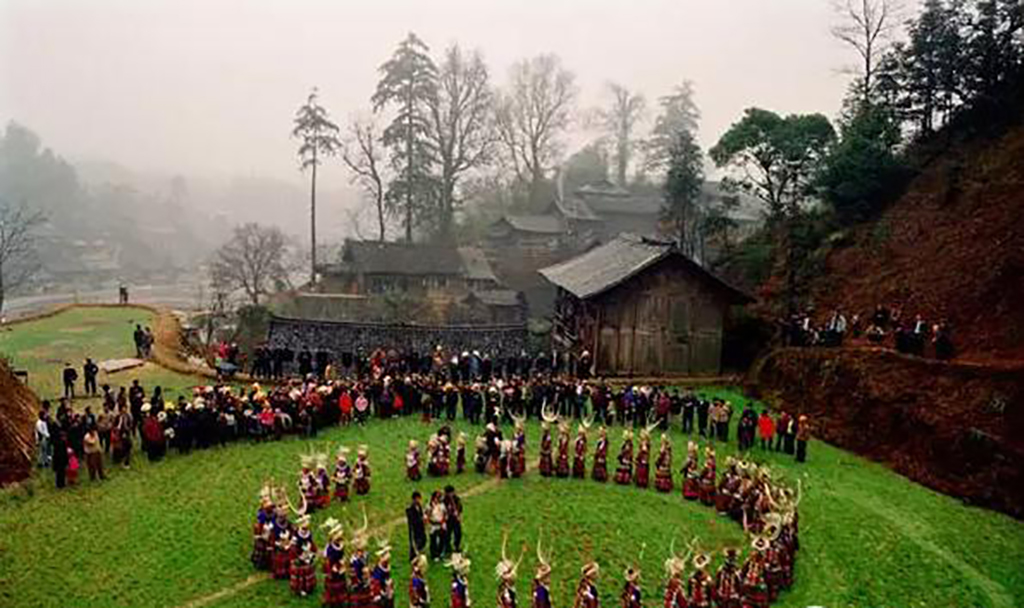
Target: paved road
181	296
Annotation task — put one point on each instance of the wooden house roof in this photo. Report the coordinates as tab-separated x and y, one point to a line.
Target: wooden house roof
615	262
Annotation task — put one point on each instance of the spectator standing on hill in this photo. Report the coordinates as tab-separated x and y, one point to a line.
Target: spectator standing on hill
89	371
70	376
782	422
453	538
803	434
136	397
689	407
766	430
104	422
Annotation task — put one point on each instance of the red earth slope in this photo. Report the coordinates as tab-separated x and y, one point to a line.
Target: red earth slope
951	247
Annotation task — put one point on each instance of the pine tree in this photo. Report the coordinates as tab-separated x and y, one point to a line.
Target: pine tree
409	83
319	137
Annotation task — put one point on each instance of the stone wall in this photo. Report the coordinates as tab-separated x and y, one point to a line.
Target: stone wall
342	337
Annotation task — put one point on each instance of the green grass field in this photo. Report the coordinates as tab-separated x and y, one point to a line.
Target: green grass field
42	347
177	533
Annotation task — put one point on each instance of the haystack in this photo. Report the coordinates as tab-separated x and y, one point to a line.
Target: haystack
19	409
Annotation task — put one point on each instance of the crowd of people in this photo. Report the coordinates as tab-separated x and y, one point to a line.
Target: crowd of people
219	414
744	492
885	326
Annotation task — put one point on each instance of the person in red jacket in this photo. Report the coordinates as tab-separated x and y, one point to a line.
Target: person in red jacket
766	430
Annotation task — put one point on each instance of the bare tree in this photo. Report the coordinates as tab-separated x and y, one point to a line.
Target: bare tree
532	114
254	260
867	27
620	120
461	125
17	244
363	154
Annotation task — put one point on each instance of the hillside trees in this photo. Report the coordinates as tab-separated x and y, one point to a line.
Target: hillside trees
777	160
362	153
17	245
682	190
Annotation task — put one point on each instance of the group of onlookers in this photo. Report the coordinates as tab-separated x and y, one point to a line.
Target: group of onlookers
886	326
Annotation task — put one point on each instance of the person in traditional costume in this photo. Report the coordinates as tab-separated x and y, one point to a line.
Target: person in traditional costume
690	473
412	461
773	568
308	482
302	574
342	475
505	448
586	591
675	590
624	472
459	564
546	464
506	571
335	583
706	487
600	471
382	586
444	454
261	531
632	596
359	569
728	487
432	456
519	449
728	582
579	460
419	593
323	482
361	474
642	473
562	463
541	593
755	587
480	456
282	535
699	586
460	453
663	466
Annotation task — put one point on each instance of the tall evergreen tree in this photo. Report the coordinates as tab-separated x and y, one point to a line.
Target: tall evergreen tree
409	84
319	138
682	190
679	112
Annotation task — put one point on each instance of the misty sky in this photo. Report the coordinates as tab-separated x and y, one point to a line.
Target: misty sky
209	87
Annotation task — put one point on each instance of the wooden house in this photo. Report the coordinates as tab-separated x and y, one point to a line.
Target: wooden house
641	307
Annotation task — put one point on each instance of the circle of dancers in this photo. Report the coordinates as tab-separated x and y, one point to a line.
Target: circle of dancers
744	492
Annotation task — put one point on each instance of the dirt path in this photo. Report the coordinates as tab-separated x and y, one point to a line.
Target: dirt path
381	530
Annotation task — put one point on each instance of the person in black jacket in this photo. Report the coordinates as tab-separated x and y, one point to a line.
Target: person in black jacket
417	528
89	371
60	455
70	376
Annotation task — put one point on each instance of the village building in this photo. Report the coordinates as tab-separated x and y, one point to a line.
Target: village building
641	307
520	244
377	281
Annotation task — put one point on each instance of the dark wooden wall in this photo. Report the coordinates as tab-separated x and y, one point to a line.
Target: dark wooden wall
665	320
